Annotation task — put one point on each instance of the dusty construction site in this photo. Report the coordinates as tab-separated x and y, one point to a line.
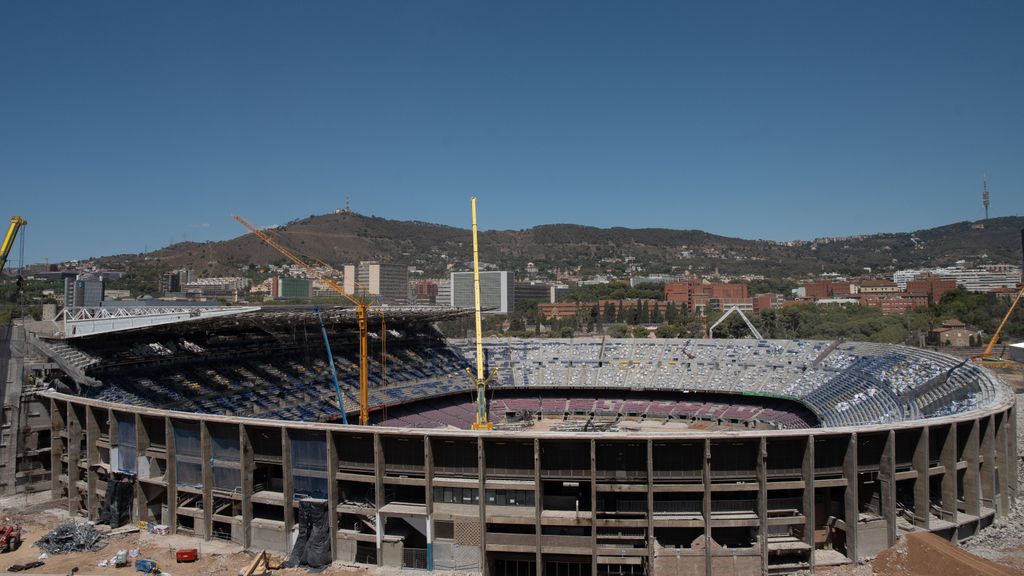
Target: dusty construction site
608	457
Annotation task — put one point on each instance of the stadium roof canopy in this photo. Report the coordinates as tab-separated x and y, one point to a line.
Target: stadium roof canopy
85	322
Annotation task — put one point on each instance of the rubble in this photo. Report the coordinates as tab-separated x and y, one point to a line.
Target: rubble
1005	533
926	554
72	537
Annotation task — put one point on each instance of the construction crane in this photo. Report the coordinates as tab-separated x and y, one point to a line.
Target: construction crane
986	358
16	223
330	361
361	303
479	380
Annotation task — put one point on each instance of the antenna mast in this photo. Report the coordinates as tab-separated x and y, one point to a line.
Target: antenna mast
984	194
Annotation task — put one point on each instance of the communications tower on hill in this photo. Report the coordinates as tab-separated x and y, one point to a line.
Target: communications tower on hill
984	194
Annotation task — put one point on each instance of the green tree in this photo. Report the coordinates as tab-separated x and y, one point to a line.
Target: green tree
667	331
618	330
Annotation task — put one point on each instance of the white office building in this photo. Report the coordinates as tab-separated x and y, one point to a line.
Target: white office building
497	291
385	283
981	279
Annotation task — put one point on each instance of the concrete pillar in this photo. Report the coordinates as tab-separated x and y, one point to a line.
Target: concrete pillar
140	509
74	451
922	484
887	480
378	491
972	475
1011	468
762	501
57	425
988	462
707	507
206	453
481	473
92	436
1005	459
538	500
650	503
851	504
113	440
332	492
288	488
593	507
807	471
428	473
245	455
172	479
948	460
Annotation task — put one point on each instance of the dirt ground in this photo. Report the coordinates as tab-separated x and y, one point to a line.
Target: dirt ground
925	554
215	557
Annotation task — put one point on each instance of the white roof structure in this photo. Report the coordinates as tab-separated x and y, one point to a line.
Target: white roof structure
1017	351
81	322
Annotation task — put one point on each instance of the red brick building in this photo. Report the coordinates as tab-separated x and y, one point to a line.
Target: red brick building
562	309
426	292
818	290
570	309
764	302
894	303
877	286
627	305
828	289
933	286
696	295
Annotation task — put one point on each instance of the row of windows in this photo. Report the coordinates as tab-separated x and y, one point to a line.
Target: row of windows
494	497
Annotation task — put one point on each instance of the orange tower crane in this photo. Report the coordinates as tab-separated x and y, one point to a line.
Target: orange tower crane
361	303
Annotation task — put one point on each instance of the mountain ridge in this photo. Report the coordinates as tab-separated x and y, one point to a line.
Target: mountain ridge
348	237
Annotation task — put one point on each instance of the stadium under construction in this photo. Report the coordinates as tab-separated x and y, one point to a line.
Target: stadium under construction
608	456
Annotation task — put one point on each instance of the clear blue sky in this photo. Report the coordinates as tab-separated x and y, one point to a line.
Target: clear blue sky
126	125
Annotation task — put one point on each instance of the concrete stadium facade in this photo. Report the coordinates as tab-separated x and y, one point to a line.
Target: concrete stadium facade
553	503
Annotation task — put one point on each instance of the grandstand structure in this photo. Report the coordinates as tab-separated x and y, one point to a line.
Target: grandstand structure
609	456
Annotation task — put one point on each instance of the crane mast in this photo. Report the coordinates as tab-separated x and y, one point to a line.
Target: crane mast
360	303
16	223
482	422
986	356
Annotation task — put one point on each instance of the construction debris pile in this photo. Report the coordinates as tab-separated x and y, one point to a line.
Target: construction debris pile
72	537
1006	533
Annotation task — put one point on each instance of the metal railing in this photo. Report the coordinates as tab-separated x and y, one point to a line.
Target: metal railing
495	472
625	506
455	470
414	558
734	505
678	506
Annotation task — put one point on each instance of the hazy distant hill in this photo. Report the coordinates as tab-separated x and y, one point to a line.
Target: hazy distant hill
343	238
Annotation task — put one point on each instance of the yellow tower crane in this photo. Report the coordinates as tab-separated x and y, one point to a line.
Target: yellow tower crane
361	303
986	358
482	422
16	223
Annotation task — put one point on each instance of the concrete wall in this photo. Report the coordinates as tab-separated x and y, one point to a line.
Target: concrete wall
774	470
